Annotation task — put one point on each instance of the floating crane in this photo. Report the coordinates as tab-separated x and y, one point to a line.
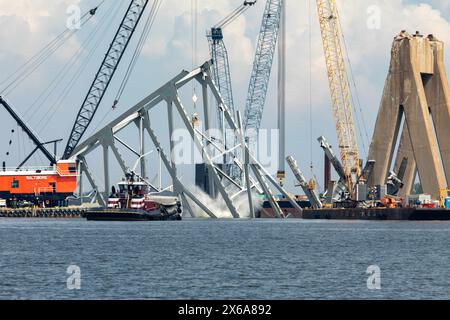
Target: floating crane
340	91
105	74
262	67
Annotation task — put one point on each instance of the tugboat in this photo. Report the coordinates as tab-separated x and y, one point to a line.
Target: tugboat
134	202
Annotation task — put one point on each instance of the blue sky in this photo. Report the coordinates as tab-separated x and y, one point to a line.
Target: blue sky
27	25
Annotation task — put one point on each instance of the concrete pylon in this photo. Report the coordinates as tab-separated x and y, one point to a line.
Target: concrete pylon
417	90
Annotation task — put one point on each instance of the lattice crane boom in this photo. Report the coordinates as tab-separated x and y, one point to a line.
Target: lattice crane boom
221	68
340	89
262	66
219	55
105	73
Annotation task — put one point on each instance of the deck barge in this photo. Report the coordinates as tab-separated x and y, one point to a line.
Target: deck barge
66	213
411	214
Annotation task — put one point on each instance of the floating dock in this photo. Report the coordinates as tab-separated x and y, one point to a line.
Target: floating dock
44	213
411	214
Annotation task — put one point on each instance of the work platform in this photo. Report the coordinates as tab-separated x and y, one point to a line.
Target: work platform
44	213
411	214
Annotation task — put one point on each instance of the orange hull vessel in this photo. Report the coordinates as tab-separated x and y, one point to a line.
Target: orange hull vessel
41	186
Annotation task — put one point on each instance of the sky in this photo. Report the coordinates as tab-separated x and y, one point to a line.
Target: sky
368	26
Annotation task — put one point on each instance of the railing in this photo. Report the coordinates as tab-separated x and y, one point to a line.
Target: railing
39	170
45	190
29	169
67	173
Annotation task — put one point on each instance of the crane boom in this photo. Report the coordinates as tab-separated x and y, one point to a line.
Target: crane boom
219	55
30	133
312	195
221	68
105	73
340	90
262	67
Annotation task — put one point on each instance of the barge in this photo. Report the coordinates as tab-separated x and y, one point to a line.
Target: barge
394	214
53	213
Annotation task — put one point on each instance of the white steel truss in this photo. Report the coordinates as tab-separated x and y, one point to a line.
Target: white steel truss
256	178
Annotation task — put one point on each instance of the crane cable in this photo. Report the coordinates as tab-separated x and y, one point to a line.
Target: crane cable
58	103
142	40
310	85
310	104
194	22
357	107
65	70
33	63
234	15
137	52
10	142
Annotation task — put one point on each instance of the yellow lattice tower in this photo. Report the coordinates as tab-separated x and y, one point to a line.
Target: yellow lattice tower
340	89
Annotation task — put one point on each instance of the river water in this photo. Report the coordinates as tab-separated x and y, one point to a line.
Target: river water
224	259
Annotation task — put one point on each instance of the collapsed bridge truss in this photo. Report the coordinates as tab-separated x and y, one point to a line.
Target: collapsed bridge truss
255	177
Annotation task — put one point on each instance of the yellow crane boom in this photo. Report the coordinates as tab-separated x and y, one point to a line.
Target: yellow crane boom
340	89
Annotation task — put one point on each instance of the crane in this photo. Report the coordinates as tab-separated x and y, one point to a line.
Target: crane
219	55
340	91
309	190
262	67
31	134
105	73
221	66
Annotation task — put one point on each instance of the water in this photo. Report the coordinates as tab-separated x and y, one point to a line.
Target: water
263	259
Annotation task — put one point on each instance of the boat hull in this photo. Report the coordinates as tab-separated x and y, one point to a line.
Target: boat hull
132	215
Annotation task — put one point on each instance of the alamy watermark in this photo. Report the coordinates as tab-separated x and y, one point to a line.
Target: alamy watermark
74	280
73	21
374	279
187	152
374	17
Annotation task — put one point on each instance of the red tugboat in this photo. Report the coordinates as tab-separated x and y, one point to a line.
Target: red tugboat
134	202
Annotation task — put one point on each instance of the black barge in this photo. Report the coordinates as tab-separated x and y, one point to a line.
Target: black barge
410	214
131	215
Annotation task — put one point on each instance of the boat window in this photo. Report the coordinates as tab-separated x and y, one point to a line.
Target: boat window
15	184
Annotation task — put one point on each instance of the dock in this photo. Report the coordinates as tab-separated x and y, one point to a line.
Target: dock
54	213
